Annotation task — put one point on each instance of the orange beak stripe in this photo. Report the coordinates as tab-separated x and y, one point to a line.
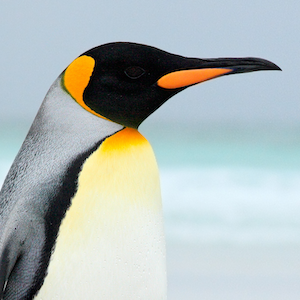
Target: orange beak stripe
183	78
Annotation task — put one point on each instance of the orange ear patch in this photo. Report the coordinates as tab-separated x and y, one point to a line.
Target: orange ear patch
77	77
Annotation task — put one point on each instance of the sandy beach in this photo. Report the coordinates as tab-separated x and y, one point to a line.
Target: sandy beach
235	272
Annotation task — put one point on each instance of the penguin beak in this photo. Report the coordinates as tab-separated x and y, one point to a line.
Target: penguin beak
212	68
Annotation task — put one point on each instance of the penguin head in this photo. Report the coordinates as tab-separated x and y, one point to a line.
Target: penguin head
126	82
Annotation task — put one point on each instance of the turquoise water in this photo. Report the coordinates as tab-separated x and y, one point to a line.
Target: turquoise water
231	185
220	184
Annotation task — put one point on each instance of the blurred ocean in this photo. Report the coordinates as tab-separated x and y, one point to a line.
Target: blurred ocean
220	184
231	185
231	197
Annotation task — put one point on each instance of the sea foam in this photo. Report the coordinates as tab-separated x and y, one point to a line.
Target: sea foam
231	205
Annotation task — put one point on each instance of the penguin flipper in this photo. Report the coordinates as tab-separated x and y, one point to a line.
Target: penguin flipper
3	271
8	261
22	265
19	283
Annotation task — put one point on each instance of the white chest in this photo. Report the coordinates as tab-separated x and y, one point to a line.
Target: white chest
111	242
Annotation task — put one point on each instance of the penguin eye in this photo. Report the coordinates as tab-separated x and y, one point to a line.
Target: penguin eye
134	72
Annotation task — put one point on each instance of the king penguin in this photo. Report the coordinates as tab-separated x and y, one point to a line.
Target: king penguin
80	209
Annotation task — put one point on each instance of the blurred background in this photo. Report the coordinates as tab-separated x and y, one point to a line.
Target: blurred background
228	149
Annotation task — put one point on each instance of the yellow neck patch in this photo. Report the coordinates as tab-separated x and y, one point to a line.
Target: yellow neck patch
77	77
115	180
123	141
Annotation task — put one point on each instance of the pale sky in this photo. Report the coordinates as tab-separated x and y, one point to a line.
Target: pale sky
38	39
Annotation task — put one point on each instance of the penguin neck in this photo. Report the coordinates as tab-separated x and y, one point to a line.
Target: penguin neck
113	230
116	180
